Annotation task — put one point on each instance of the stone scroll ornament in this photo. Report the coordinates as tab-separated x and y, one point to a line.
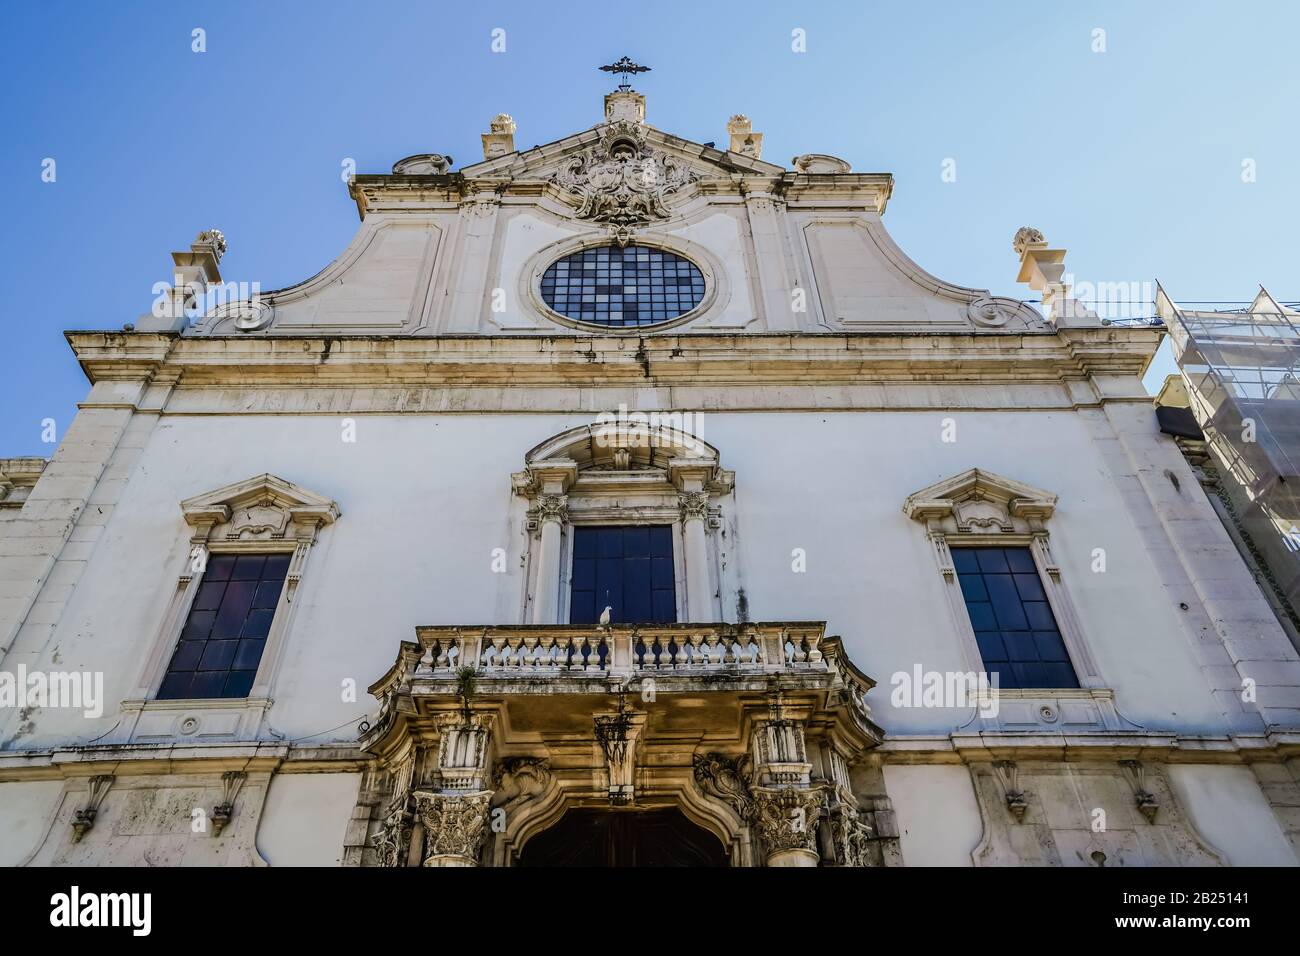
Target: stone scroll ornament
621	180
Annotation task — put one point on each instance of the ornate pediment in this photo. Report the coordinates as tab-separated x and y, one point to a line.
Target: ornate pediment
264	508
622	180
980	502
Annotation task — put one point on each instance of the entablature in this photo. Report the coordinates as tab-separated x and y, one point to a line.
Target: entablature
692	358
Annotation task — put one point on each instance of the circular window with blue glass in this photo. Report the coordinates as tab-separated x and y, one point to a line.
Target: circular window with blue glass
623	287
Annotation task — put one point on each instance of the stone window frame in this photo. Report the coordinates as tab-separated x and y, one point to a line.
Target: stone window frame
980	509
717	290
571	480
260	515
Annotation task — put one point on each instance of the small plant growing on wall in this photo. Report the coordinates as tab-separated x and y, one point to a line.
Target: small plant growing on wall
466	686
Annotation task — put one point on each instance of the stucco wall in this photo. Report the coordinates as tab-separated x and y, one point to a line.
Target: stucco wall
305	817
938	818
1231	813
27	810
426	499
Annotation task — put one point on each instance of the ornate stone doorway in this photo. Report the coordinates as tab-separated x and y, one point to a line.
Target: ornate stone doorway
594	837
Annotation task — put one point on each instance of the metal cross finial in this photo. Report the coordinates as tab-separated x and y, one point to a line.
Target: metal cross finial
626	68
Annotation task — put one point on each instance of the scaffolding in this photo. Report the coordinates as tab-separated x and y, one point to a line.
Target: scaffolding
1242	372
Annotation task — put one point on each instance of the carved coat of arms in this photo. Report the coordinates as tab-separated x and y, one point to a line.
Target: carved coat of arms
621	180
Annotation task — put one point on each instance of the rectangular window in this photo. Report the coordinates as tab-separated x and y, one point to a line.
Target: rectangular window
1014	625
628	569
221	643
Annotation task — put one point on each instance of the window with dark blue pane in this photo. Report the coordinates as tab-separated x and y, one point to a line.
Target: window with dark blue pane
222	641
628	569
1014	625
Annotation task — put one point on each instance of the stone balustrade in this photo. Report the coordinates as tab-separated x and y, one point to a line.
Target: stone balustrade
619	650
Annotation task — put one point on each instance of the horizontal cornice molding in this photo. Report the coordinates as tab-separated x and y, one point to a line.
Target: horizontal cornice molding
690	359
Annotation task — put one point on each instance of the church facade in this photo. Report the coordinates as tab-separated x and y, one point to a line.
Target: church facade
630	501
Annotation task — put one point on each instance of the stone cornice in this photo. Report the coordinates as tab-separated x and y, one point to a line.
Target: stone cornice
1156	746
162	759
694	359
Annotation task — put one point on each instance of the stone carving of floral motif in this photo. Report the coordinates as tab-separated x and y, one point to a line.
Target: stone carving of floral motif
551	508
214	238
694	505
622	180
1027	236
850	833
786	817
454	824
393	841
725	778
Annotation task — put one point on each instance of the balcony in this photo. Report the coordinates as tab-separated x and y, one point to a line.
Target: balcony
546	658
744	728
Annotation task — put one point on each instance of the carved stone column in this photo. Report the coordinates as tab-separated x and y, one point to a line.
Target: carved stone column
787	808
455	826
696	480
699	592
456	815
546	485
552	513
786	819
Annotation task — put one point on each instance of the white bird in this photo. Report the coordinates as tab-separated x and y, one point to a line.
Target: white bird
604	615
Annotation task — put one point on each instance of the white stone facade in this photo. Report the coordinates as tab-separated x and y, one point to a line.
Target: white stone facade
414	427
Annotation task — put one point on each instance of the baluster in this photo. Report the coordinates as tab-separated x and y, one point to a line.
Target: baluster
798	656
697	654
715	645
814	652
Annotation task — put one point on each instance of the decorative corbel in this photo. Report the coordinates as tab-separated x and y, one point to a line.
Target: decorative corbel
84	819
617	735
1008	775
779	754
231	782
462	751
1146	802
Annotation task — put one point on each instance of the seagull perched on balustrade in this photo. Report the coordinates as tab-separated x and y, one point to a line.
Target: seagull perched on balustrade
604	616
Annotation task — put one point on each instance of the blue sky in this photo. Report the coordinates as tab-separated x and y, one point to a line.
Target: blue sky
1130	158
